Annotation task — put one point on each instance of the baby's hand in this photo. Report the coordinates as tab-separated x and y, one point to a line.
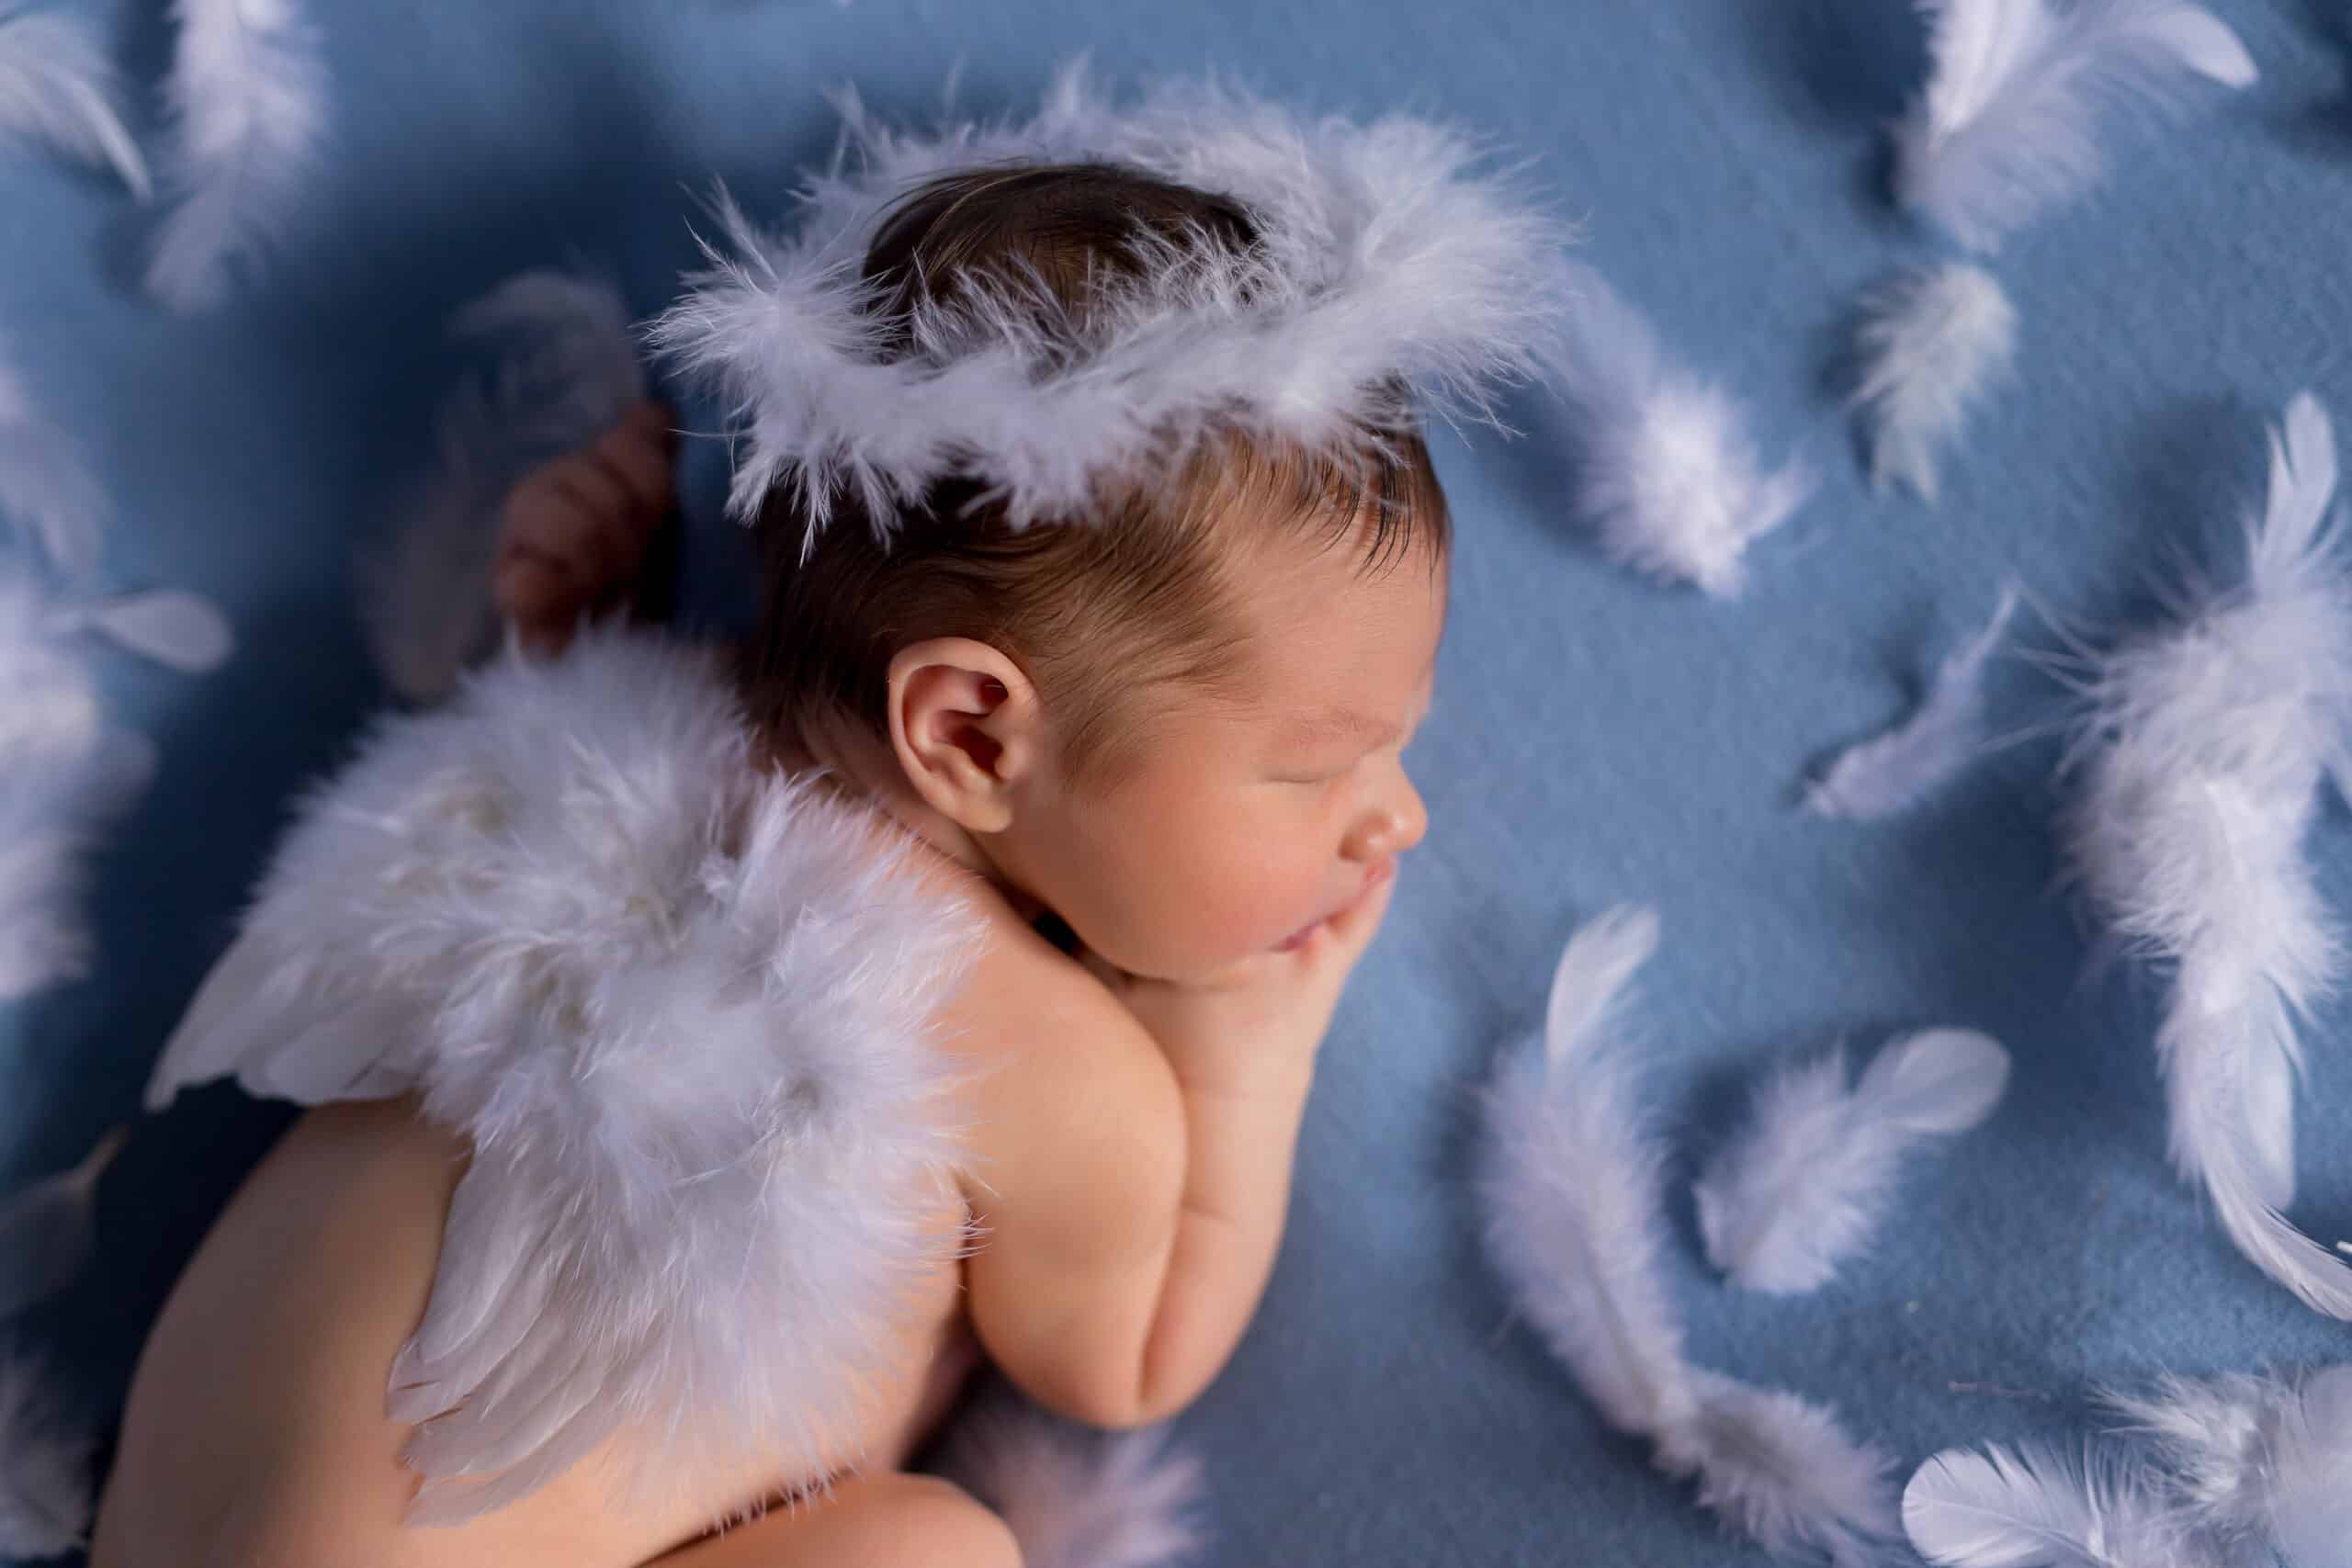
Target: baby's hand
574	533
1265	1015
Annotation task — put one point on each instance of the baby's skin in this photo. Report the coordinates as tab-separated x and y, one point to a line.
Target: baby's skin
1134	1116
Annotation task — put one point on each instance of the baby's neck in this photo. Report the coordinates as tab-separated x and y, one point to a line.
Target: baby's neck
862	766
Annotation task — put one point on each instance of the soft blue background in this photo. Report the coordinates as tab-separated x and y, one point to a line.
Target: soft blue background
1596	739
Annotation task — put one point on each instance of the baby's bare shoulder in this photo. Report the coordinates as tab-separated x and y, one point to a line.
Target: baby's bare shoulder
1061	1070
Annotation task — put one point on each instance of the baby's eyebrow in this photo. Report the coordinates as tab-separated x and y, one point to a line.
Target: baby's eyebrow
1342	724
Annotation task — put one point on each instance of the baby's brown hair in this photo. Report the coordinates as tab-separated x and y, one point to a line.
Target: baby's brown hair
1094	608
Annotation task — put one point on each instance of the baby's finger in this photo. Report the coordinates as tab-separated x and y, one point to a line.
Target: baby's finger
595	499
1355	925
637	452
549	517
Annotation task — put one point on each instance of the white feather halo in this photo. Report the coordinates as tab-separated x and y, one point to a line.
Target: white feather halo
2008	123
1570	1184
2201	764
57	86
247	92
1667	476
1381	253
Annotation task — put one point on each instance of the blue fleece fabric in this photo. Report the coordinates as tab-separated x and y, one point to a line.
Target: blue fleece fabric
1595	739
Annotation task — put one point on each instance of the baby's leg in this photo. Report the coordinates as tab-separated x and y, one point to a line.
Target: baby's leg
880	1520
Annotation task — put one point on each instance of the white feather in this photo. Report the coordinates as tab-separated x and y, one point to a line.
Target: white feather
2256	1461
1666	475
46	1229
57	87
1081	1499
1931	343
681	1007
63	772
2201	762
248	98
179	630
1382	255
2008	124
1570	1185
44	487
570	371
1804	1184
1896	770
45	1482
2036	1509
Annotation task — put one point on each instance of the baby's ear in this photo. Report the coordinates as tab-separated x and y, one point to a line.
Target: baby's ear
966	724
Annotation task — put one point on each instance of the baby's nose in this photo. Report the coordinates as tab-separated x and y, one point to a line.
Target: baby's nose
1394	824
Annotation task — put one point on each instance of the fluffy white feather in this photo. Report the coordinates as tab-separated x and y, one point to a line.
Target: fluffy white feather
1382	255
2257	1461
46	1229
2037	1509
45	1484
1081	1499
2200	770
1804	1184
2008	124
248	94
1931	343
569	370
1666	475
682	1011
63	772
1570	1184
44	487
57	87
1896	770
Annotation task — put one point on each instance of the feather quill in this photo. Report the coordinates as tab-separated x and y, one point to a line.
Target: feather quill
1896	770
45	1484
1570	1185
2035	1508
248	94
1081	1499
1668	478
46	1229
1802	1186
44	487
2008	124
569	370
2202	761
1931	343
2256	1461
58	88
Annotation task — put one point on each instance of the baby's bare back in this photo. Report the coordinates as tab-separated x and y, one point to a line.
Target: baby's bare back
256	1436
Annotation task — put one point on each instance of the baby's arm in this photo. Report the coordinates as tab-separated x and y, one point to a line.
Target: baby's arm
1146	1153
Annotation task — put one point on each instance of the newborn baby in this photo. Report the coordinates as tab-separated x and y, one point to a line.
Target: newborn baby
1158	748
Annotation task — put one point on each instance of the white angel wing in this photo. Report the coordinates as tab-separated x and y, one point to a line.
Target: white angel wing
681	1012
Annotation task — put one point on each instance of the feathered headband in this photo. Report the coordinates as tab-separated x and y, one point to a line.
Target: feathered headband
1381	255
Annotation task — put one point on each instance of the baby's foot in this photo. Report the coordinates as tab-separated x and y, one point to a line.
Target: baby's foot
575	533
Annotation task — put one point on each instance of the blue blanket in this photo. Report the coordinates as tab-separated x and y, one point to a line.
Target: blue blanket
1595	739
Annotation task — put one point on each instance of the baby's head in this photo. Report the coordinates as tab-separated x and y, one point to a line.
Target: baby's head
1177	722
